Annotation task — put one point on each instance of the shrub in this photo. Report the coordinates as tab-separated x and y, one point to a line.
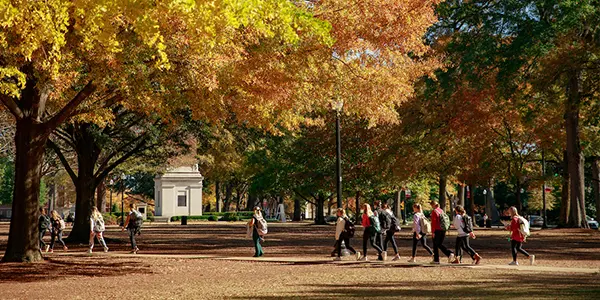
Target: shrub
109	219
231	216
212	218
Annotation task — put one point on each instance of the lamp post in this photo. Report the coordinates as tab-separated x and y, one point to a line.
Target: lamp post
122	199
111	183
544	218
338	105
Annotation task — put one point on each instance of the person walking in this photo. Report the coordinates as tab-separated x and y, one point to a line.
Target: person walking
384	222
97	229
517	237
372	227
439	225
419	228
43	226
58	225
258	225
342	234
133	227
464	227
389	233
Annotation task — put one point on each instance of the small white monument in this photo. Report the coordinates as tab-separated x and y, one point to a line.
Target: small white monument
178	192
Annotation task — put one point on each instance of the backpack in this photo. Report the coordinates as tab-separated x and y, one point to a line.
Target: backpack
139	219
99	225
375	225
45	222
524	227
444	221
261	226
468	224
385	219
349	228
395	225
425	225
62	225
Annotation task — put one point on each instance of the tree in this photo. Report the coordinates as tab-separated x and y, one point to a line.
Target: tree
62	59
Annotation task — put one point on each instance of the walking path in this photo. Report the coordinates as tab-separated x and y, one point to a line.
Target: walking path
295	260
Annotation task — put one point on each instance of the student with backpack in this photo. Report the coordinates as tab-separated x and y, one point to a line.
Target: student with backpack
96	229
421	227
43	226
440	223
259	230
519	228
384	222
58	225
370	222
134	225
344	230
464	227
394	226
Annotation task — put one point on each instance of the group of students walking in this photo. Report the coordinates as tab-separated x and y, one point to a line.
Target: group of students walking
56	225
380	226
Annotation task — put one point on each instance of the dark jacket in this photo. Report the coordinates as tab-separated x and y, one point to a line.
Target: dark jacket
44	222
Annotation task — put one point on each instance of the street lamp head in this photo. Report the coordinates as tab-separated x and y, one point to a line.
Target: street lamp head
485	191
337	104
112	182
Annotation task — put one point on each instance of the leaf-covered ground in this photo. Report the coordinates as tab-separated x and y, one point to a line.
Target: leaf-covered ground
108	277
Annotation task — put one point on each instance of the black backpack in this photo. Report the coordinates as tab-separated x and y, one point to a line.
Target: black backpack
384	219
468	228
395	225
349	227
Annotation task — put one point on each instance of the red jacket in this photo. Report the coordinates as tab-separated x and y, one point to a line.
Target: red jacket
366	222
435	219
515	228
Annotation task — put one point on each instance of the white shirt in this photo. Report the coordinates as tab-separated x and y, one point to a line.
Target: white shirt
458	224
339	227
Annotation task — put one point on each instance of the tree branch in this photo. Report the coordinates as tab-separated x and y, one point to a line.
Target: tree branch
12	106
68	110
63	160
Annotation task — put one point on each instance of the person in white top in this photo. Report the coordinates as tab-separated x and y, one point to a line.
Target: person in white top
342	235
96	229
418	234
464	227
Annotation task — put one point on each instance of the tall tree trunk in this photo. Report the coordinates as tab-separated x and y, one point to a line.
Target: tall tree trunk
461	195
357	218
397	199
472	202
442	192
85	187
320	218
596	183
101	196
251	202
218	196
575	157
30	141
565	203
518	195
297	210
228	193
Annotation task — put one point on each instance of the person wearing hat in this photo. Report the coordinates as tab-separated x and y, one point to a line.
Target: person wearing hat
439	234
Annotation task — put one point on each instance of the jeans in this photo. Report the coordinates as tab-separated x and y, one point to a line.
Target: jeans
100	239
132	232
42	243
257	247
338	246
372	238
423	240
517	247
57	234
389	237
438	241
462	243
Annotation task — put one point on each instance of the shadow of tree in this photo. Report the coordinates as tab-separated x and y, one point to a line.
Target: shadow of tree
60	268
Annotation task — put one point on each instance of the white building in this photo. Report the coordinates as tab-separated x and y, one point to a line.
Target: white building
178	192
